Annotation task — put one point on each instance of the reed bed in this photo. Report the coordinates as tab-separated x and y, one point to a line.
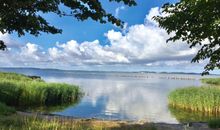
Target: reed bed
184	116
20	90
214	123
5	110
203	99
211	81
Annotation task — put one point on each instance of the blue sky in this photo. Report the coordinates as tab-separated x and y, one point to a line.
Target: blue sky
89	45
90	30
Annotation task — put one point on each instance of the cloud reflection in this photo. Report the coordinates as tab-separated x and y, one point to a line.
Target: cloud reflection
133	99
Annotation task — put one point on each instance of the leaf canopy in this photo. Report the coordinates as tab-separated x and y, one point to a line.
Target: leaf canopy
198	23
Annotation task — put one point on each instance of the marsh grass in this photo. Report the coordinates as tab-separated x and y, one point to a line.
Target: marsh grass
204	99
20	90
184	116
215	123
5	110
211	81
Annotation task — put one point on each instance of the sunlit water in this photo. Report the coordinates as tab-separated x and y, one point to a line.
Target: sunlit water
119	96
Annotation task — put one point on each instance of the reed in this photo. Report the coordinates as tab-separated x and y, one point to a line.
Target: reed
215	123
211	81
5	110
204	99
20	90
184	116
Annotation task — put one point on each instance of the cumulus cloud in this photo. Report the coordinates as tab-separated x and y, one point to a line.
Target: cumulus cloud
30	51
142	44
86	53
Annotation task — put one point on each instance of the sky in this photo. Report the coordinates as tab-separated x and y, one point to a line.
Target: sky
89	45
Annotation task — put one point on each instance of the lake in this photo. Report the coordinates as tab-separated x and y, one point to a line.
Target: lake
119	95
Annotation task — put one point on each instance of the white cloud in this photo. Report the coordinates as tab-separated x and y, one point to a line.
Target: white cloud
30	51
146	43
9	42
141	44
86	53
153	12
117	10
113	36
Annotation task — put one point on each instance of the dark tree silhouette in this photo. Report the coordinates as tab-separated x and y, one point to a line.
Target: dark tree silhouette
194	21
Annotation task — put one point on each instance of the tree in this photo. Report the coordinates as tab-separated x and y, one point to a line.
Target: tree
24	16
195	21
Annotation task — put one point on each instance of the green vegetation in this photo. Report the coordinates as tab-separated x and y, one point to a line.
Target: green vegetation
184	116
18	90
211	81
21	122
215	123
187	22
22	91
204	99
5	110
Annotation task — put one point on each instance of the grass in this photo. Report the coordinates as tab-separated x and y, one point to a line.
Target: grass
212	81
184	116
18	90
19	122
21	91
5	110
204	99
215	123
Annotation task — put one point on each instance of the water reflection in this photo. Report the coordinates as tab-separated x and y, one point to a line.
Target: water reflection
118	95
51	108
184	116
133	99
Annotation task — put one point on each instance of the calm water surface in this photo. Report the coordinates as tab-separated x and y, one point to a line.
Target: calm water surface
119	96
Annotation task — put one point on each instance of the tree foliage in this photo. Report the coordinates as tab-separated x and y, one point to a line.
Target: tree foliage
195	21
25	16
2	45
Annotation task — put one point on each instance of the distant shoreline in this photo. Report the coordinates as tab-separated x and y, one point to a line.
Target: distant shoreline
105	71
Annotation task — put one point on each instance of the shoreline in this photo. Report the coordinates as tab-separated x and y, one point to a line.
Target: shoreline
157	125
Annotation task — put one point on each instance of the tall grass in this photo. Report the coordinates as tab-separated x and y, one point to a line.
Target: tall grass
211	81
5	110
184	116
214	123
20	90
204	99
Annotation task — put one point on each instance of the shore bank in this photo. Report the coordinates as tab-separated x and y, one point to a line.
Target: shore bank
98	124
